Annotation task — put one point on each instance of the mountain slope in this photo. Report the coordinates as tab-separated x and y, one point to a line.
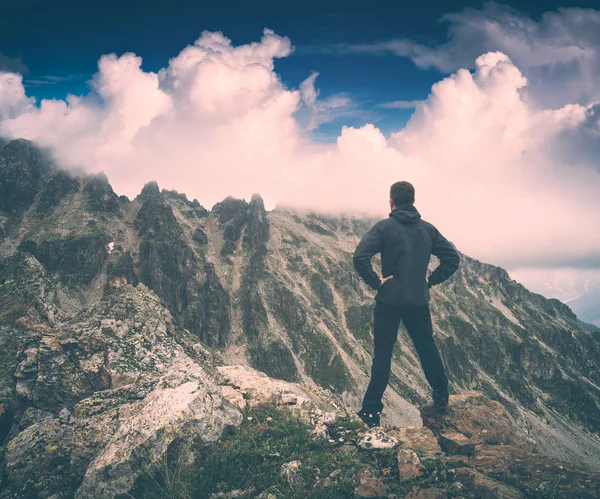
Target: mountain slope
97	292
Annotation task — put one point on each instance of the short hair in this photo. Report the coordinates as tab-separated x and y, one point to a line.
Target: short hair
402	193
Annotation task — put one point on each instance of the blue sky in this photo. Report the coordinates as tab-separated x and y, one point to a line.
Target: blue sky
60	43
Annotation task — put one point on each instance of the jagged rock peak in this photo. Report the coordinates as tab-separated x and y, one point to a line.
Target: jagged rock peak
231	201
19	143
99	178
23	168
27	150
100	194
256	208
257	230
230	208
150	190
257	199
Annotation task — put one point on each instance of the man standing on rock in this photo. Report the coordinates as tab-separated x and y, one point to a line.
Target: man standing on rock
406	243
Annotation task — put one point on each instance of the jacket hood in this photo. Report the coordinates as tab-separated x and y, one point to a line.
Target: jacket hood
406	214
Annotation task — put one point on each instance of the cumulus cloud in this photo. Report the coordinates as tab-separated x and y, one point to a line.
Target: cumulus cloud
559	53
218	121
13	101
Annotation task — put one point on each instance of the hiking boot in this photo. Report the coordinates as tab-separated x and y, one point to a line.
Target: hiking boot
371	419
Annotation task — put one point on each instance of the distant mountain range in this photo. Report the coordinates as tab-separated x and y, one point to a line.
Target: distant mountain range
587	306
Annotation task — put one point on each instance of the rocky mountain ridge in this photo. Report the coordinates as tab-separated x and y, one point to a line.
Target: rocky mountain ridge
111	309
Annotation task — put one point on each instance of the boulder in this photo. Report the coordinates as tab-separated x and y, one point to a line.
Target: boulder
418	438
177	407
457	443
367	485
38	460
376	438
317	404
479	486
477	417
535	471
409	465
330	481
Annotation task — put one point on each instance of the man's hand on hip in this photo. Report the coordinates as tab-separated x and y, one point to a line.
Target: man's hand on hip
385	279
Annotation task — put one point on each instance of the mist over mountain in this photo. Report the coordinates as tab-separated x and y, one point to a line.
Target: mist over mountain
121	321
587	306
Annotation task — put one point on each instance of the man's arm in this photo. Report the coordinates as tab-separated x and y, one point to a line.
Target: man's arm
368	247
449	259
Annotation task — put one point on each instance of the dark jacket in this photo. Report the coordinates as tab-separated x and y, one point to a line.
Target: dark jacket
406	243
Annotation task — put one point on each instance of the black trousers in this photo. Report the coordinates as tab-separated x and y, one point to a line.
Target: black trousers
386	322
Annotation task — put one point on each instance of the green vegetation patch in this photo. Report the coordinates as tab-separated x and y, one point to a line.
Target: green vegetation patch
250	458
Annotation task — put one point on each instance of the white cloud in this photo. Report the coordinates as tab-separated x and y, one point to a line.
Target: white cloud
401	104
13	101
308	91
565	284
50	79
559	53
218	121
322	110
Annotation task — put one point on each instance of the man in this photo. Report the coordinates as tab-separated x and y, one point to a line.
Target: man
405	242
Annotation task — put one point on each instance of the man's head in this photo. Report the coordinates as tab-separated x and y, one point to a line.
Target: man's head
401	193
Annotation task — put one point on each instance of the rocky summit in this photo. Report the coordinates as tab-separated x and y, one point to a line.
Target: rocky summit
145	341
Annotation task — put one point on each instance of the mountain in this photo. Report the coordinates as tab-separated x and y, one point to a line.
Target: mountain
589	327
118	319
587	306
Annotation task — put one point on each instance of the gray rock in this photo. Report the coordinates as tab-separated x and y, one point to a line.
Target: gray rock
377	438
289	472
409	465
64	416
483	487
457	443
367	485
